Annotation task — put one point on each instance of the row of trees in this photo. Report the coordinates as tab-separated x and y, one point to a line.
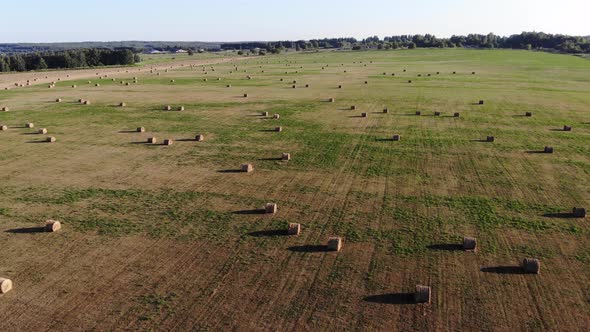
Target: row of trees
92	57
525	40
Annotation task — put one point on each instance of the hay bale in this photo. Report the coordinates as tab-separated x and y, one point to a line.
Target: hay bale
366	82
436	113
86	102
473	73
396	137
454	72
247	168
548	149
74	86
286	156
29	125
58	100
270	208
294	87
307	85
3	128
409	81
152	140
5	285
167	108
228	86
531	265
567	128
97	85
89	82
52	226
42	131
490	139
335	243
481	102
353	107
469	244
172	81
456	114
331	100
579	212
122	104
278	129
363	115
168	141
385	110
199	138
264	114
140	129
5	109
245	95
126	83
340	87
423	294
181	108
438	72
294	229
418	113
50	139
276	116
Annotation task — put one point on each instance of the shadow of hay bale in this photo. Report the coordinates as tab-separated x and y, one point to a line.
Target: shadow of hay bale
504	270
249	212
446	247
26	230
562	215
309	248
270	233
394	298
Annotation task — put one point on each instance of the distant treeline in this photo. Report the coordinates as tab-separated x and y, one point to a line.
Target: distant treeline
525	40
91	57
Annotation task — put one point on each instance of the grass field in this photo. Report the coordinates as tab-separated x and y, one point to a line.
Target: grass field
167	237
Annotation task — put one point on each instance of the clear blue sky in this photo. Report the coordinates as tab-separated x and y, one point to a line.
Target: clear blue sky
246	20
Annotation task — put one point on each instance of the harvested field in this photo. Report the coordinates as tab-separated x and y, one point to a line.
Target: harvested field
176	238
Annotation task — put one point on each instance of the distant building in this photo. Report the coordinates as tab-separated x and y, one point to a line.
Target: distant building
181	51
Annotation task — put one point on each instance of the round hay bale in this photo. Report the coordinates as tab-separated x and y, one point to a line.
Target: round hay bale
199	138
168	141
5	109
307	85
469	244
282	80
122	104
294	229
3	128
58	100
423	294
364	115
229	85
353	107
264	114
294	87
567	128
548	149
167	108
531	265
436	113
89	82
332	100
490	139
409	81
127	83
340	87
418	113
42	131
473	73
97	85
152	140
52	226
385	110
29	125
396	137
481	102
74	86
404	70
205	80
245	95
335	243
286	156
279	129
247	168
579	212
81	101
454	72
181	108
5	285
456	114
140	130
270	208
276	116
86	102
172	81
50	139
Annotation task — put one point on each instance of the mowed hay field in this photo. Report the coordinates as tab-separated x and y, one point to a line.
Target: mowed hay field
161	237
